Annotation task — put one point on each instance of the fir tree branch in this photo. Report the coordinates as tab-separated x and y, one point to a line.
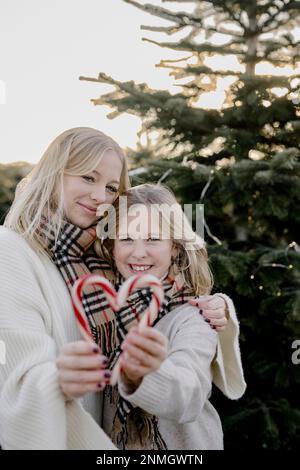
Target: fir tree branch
181	18
231	14
169	30
271	18
176	1
199	48
172	61
179	72
221	30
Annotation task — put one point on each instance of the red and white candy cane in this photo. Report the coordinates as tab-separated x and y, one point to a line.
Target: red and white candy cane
76	294
135	282
116	301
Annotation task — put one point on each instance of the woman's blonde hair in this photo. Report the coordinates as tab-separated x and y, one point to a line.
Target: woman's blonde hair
76	151
192	259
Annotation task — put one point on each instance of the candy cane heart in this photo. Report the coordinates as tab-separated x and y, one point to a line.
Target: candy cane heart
116	301
76	294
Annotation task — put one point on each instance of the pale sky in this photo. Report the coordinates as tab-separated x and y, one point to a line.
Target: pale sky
45	45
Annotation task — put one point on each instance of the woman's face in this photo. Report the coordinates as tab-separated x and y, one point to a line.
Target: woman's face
83	194
142	249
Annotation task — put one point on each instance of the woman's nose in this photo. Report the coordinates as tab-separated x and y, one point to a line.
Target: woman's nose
98	195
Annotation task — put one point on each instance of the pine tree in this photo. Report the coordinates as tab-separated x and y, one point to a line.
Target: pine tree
242	162
10	175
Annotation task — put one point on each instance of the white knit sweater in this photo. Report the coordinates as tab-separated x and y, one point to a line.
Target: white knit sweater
36	319
178	392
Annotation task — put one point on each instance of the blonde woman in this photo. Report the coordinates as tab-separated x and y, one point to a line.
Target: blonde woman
40	253
46	244
162	401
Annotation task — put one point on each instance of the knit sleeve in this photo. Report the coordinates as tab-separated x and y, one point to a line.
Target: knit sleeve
179	389
33	410
228	373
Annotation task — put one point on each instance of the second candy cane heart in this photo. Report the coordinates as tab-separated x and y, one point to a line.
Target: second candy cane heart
136	282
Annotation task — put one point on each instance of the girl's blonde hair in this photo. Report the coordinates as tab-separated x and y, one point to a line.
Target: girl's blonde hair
76	151
192	259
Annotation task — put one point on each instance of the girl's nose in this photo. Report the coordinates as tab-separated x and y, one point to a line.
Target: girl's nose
139	249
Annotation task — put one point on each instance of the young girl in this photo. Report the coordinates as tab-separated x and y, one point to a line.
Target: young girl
163	395
46	244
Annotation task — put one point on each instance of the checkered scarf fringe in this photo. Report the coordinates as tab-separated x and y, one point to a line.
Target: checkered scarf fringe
74	255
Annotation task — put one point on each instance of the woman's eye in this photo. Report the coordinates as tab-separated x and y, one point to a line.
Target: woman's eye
154	239
112	189
125	239
90	179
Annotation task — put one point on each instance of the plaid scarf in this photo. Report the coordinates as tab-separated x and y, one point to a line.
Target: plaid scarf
74	255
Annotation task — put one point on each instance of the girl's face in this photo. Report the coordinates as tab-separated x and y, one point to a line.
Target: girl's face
83	194
142	250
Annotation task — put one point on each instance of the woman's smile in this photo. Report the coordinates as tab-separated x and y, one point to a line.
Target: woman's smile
87	209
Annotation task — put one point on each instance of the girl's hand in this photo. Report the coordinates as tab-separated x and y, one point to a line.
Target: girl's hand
214	310
143	352
81	369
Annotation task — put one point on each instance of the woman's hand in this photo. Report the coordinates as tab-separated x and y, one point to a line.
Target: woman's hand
143	352
81	369
214	310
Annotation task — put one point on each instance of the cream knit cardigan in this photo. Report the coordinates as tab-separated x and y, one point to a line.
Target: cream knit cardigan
36	319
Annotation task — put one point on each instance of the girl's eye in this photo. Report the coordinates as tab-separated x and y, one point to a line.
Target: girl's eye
154	239
90	179
125	239
112	189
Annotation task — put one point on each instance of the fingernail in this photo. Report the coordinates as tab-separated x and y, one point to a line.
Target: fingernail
101	386
207	320
107	374
201	312
213	327
96	350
